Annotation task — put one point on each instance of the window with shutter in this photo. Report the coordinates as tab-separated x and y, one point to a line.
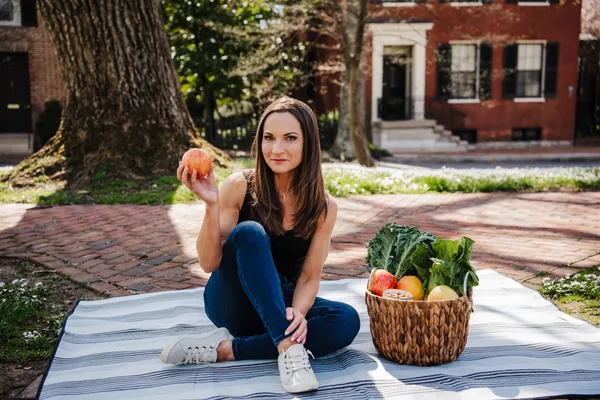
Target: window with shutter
485	71
464	71
444	81
531	70
551	73
509	83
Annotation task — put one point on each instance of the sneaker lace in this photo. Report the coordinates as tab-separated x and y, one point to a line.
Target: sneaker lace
298	361
197	355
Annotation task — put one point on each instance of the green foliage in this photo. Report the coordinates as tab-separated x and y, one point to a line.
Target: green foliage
27	326
232	50
585	284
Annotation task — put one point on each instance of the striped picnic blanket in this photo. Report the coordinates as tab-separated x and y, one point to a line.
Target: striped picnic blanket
520	346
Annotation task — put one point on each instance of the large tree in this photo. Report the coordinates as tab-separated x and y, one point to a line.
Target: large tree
345	21
124	111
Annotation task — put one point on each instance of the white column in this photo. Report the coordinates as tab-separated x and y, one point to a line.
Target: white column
376	76
419	63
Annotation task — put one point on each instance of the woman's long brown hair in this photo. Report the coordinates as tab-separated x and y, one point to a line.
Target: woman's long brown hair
307	178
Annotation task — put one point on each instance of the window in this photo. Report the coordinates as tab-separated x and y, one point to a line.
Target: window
530	70
464	68
10	12
464	71
526	134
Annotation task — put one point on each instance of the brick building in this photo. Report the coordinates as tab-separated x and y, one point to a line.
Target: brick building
29	75
495	72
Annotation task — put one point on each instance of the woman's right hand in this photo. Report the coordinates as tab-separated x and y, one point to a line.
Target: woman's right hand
205	188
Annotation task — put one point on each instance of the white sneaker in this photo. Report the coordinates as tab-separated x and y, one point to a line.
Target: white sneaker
295	371
195	350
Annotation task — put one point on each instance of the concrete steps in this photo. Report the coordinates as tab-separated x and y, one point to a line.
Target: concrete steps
417	136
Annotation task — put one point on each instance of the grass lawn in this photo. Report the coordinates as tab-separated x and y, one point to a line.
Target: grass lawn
578	295
33	305
341	180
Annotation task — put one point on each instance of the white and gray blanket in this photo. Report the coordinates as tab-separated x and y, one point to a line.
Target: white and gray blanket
520	346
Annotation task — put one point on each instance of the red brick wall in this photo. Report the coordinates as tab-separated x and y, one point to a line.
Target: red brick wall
499	23
44	71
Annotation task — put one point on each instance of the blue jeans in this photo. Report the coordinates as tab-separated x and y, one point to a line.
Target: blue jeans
247	296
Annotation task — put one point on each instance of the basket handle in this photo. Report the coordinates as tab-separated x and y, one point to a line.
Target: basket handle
465	290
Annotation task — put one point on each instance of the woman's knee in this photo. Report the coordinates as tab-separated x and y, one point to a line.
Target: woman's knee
248	231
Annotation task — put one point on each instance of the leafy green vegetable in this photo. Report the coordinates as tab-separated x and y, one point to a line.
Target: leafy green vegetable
404	250
421	261
451	264
392	247
405	247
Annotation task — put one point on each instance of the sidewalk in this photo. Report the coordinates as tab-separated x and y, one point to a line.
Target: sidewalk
562	153
127	249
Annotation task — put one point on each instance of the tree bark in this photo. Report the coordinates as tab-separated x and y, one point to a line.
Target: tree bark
342	146
353	54
124	111
357	129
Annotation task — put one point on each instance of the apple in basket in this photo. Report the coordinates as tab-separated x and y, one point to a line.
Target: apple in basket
380	280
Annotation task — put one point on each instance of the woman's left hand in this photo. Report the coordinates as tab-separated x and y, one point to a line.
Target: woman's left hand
298	327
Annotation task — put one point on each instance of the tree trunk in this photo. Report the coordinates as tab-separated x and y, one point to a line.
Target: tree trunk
342	147
357	130
351	27
124	110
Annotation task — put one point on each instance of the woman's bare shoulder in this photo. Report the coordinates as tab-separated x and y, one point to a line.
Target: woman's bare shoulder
233	188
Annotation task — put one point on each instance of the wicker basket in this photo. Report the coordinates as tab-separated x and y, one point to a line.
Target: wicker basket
421	333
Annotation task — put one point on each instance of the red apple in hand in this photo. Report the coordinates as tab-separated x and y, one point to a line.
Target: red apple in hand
199	160
381	280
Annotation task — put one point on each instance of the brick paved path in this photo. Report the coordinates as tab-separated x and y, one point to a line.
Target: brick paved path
130	249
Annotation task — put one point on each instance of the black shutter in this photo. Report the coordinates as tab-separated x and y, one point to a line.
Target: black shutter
512	1
509	83
444	77
420	1
551	80
554	1
444	1
485	71
28	13
377	1
487	1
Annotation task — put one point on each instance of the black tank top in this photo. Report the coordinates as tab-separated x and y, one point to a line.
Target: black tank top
288	251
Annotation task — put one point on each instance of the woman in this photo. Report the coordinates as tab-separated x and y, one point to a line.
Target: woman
277	221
